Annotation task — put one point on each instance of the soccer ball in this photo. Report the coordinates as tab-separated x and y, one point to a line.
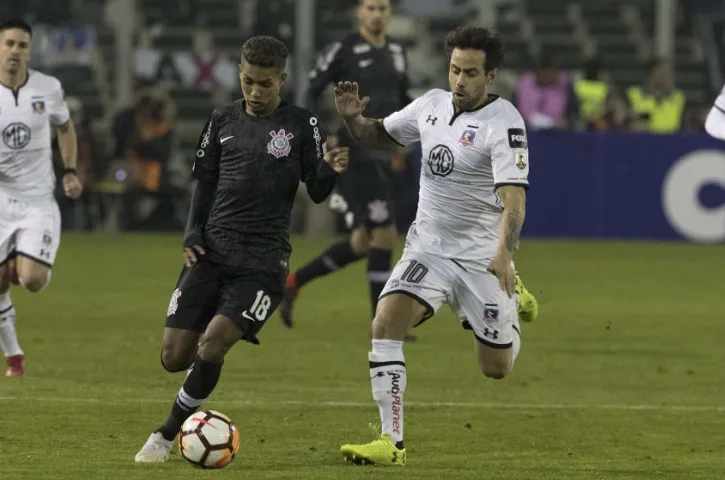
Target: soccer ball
208	439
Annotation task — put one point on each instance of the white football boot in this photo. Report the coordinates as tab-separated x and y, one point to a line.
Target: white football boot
155	450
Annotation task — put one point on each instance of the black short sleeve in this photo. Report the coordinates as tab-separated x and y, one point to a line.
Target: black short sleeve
208	151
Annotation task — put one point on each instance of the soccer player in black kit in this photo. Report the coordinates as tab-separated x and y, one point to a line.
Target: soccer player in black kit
364	193
251	156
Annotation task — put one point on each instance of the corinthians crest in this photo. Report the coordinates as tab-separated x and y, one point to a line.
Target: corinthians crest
279	145
174	303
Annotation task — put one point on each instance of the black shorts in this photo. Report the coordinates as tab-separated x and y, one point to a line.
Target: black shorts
248	297
364	194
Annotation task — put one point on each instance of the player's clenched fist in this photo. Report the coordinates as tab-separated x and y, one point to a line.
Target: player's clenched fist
337	158
347	100
72	185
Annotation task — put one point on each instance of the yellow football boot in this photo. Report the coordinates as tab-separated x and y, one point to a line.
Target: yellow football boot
381	451
528	306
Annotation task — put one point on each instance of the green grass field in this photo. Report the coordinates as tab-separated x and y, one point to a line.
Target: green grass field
622	376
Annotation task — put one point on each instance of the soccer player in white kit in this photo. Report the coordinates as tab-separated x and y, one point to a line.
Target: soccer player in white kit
29	217
470	213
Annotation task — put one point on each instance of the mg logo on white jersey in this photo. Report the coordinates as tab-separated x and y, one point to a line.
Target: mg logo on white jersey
16	135
440	161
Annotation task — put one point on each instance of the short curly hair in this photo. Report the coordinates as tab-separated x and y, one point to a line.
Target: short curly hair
470	37
265	52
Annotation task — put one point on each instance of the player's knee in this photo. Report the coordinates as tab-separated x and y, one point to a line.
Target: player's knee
496	370
175	360
394	318
212	349
386	327
35	282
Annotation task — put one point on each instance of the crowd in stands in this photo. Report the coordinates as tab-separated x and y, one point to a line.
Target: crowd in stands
553	99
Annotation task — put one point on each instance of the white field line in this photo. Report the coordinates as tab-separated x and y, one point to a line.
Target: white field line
304	403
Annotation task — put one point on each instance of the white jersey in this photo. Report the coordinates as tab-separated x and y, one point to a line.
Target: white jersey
466	155
26	166
715	123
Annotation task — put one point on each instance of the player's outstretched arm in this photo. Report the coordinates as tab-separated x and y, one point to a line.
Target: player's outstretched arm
368	131
512	220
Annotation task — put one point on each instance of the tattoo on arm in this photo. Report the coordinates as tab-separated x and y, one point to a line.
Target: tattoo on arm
512	227
514	213
371	133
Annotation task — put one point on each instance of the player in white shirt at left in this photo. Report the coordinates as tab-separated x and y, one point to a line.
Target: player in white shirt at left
30	102
715	123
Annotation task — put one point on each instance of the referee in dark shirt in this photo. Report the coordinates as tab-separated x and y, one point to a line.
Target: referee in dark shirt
364	194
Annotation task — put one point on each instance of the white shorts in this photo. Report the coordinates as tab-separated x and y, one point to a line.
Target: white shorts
30	228
473	293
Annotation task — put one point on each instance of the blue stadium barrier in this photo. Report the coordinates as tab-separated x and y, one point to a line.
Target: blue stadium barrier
628	186
613	185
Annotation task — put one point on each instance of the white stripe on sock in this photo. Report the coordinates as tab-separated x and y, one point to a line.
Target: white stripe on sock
187	400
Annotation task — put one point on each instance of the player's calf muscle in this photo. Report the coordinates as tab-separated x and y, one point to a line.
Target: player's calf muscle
33	275
495	371
34	284
35	281
494	364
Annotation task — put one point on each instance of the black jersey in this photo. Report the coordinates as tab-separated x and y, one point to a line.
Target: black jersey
255	165
381	73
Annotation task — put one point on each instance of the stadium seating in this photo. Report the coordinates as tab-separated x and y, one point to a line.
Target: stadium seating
619	33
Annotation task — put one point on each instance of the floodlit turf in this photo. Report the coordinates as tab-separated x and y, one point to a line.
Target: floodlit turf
622	376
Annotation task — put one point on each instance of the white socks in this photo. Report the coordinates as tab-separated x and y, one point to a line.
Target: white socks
8	336
388	378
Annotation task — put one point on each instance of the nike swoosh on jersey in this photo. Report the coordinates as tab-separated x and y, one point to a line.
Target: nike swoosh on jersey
246	315
224	139
365	63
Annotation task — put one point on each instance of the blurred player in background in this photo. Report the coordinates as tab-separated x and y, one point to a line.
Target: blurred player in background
364	194
250	159
460	248
715	123
30	102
